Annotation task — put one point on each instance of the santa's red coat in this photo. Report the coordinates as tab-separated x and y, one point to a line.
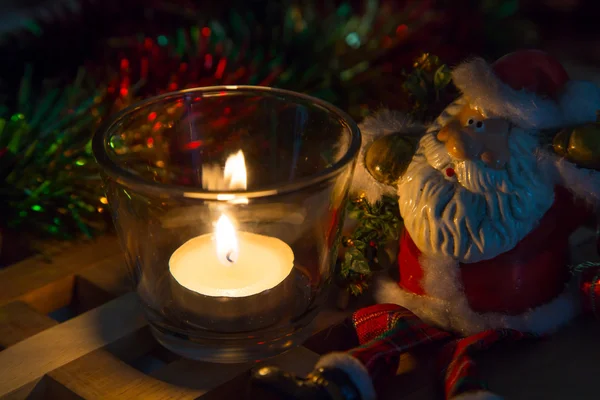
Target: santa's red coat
531	274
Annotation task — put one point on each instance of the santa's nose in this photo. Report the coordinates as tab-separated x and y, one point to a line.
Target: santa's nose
467	144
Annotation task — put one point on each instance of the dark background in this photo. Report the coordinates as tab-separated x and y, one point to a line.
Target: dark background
73	30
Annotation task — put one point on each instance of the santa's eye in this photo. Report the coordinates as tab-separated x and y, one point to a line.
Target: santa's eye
471	121
479	126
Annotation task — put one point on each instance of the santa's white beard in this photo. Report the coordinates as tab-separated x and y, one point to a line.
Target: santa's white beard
479	212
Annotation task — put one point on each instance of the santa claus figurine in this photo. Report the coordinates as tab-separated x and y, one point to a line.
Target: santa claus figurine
488	211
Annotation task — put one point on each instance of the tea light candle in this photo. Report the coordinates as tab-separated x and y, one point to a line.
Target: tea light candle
231	264
231	281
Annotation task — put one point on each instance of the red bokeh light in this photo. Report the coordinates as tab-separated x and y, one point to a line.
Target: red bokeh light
193	145
401	30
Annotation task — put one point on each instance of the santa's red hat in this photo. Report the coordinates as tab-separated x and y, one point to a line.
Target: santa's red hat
530	88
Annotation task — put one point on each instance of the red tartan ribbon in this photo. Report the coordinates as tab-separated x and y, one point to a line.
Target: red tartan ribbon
385	331
590	289
457	359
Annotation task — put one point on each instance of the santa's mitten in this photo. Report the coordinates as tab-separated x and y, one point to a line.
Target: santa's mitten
589	287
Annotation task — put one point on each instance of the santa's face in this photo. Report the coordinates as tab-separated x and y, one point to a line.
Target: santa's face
472	135
474	188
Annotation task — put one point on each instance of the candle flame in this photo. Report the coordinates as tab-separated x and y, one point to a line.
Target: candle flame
235	171
226	240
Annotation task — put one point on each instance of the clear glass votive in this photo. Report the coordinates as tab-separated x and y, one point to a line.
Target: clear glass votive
229	202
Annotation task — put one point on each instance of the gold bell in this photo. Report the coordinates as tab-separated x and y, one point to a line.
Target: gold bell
388	157
580	144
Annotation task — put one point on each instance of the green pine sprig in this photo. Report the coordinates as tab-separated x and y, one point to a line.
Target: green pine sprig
428	86
378	224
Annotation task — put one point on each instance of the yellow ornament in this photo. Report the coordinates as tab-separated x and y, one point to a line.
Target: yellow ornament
580	145
388	157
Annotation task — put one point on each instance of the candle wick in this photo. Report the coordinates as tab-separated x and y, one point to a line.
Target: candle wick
228	257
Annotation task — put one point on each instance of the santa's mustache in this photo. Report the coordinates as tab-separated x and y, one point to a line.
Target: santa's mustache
477	177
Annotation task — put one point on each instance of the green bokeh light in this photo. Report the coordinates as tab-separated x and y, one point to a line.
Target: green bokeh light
162	40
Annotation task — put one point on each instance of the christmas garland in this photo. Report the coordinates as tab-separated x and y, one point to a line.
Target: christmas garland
350	55
48	179
49	183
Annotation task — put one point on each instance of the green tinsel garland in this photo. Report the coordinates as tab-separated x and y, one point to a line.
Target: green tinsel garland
341	52
49	183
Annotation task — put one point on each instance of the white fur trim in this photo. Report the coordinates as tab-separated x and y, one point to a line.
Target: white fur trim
353	368
478	395
579	102
449	308
478	82
380	124
582	182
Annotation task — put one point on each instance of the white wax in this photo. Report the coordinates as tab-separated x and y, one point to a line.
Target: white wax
263	262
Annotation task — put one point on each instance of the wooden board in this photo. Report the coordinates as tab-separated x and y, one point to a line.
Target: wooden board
93	355
103	348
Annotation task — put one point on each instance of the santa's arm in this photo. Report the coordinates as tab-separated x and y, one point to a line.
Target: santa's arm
384	123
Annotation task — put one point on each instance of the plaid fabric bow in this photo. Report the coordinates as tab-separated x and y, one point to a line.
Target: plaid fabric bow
385	331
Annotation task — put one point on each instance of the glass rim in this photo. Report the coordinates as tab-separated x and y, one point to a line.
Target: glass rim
100	144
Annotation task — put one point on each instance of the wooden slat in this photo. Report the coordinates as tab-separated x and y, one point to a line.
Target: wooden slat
109	275
32	391
88	296
200	376
18	321
31	358
49	389
132	346
50	297
229	381
101	375
22	279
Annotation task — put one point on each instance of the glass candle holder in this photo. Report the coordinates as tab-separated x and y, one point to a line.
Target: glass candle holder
229	202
